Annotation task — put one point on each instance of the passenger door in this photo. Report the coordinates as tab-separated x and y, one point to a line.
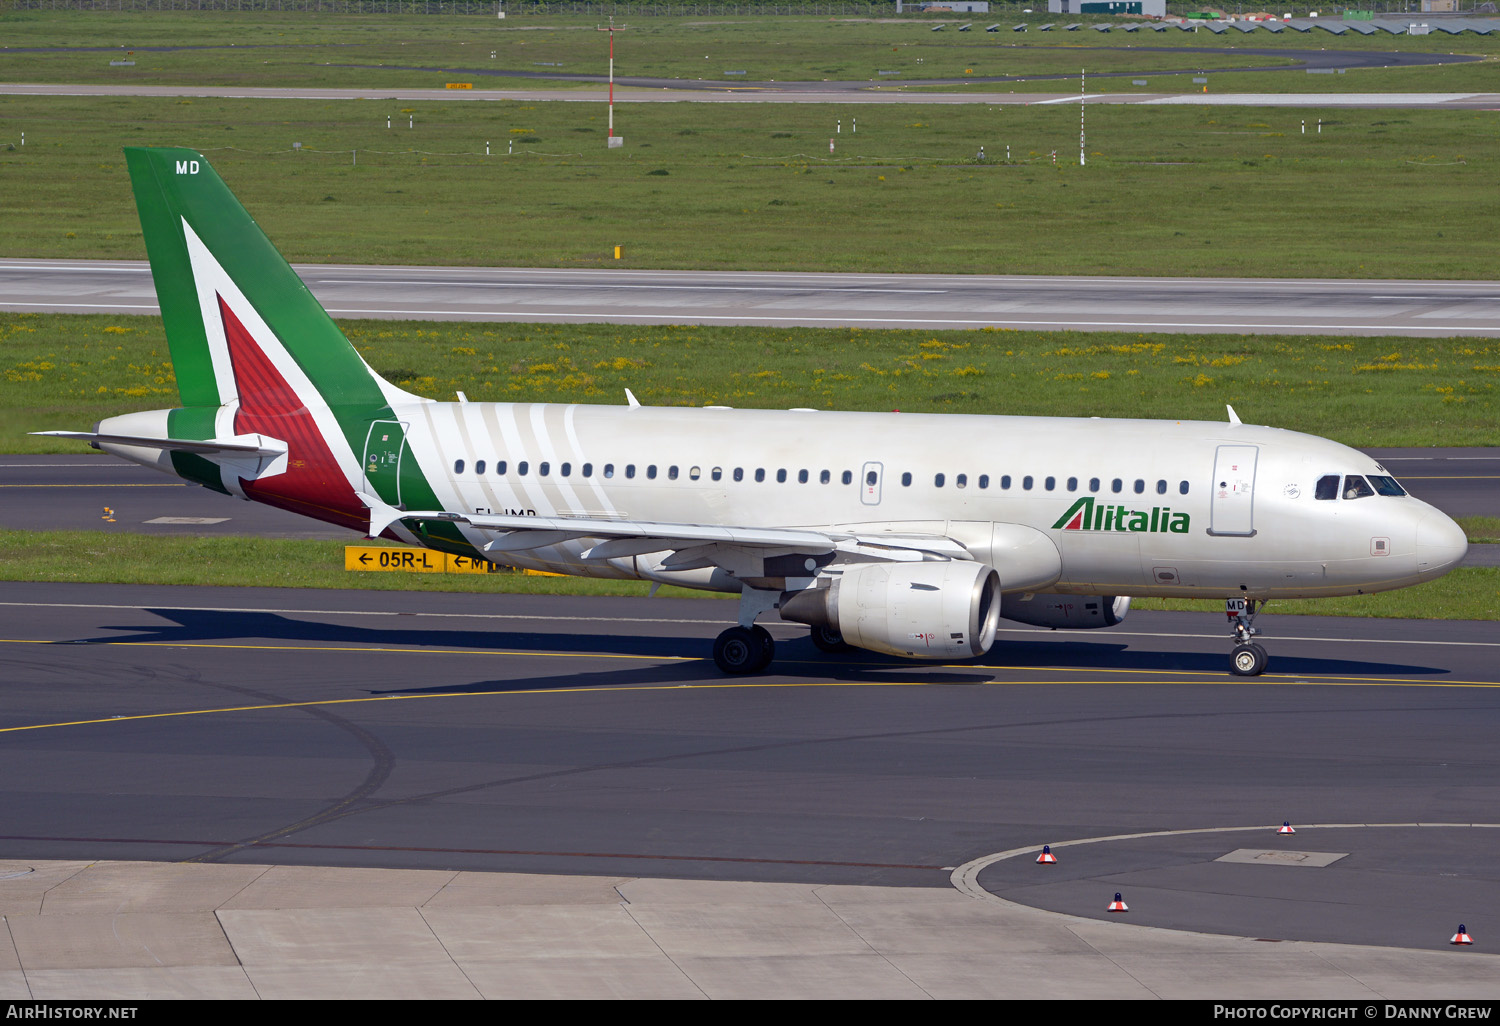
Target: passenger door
1232	509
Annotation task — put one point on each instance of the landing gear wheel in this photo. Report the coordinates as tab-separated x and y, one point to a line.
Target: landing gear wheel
767	647
829	640
742	650
1248	660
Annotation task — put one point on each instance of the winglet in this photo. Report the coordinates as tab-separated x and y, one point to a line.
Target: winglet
1234	418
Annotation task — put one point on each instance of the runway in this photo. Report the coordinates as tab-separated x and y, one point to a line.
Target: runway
1258	306
593	736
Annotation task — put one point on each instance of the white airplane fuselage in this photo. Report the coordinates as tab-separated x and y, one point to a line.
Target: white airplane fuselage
1064	505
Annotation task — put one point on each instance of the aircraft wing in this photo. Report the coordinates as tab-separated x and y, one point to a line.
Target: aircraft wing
736	549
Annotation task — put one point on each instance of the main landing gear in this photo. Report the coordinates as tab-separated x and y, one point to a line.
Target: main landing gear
749	647
742	650
1249	658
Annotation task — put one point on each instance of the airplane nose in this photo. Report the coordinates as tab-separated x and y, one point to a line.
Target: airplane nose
1440	543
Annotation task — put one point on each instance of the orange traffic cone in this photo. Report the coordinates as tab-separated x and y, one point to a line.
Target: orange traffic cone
1460	937
1046	858
1117	905
1286	828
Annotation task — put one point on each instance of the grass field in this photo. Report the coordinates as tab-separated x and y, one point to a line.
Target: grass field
65	372
1172	191
417	51
100	557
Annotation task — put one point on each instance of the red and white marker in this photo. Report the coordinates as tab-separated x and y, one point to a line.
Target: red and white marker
1460	937
1286	828
1046	858
1117	905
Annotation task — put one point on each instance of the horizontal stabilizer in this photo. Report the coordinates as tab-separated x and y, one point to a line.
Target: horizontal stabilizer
246	445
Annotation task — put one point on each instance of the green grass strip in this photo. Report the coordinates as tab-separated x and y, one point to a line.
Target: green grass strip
1195	191
65	372
1481	529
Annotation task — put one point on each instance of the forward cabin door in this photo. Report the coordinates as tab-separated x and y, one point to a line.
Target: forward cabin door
1232	511
384	447
869	484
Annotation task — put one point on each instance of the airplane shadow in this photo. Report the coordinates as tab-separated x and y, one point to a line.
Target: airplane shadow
795	659
1104	654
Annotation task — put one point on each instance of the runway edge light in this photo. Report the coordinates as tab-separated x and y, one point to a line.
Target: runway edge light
1286	828
1046	858
1461	937
1118	905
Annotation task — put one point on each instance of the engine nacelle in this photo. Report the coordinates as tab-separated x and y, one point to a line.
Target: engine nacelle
1079	612
929	610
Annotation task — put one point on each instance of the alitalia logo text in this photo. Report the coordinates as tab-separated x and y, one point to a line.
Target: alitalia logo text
1088	515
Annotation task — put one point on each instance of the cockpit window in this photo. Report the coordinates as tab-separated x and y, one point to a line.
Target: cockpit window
1386	485
1356	487
1328	487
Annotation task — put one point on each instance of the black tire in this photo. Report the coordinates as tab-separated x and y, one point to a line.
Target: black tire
830	640
767	647
739	651
1248	660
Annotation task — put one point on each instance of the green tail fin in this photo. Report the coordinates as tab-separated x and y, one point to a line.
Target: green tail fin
226	294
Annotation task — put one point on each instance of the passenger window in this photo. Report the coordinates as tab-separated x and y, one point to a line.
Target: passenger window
609	470
1093	484
565	470
848	477
1182	488
1140	486
739	473
1328	487
1005	481
802	477
781	476
1026	482
1116	485
522	468
1161	487
500	467
871	477
479	466
651	472
544	469
1386	485
588	470
630	470
906	480
694	473
984	480
760	474
961	481
1356	487
1050	483
937	480
1072	484
671	473
826	477
458	466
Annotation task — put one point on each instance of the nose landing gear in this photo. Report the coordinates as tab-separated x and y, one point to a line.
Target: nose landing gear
1249	658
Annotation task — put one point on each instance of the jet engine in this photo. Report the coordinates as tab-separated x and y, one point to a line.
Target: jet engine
928	610
1076	611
